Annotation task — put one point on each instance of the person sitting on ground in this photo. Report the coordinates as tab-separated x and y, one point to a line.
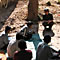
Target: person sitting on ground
23	54
29	30
26	31
47	19
2	56
13	46
4	38
6	31
44	52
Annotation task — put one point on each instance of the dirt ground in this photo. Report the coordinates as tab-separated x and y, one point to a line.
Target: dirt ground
15	16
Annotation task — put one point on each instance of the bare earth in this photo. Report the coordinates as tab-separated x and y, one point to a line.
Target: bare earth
15	17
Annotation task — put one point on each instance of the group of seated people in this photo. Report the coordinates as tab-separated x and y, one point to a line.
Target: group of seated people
10	47
17	50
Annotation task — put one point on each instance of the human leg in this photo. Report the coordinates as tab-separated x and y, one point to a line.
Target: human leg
45	24
51	24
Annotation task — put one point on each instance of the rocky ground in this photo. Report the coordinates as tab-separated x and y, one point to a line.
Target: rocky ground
15	16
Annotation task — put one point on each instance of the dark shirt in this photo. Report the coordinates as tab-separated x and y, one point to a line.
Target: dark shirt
23	55
48	17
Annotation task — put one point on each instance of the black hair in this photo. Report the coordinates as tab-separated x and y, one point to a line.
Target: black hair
7	28
19	36
29	23
47	39
22	44
46	10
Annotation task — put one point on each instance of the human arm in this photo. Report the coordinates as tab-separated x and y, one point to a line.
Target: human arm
9	51
51	19
15	56
52	54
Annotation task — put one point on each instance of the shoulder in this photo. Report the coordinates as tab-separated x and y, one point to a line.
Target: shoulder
16	53
29	51
47	47
41	43
50	14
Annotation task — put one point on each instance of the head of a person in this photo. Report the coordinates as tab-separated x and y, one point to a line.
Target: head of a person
29	24
7	29
22	45
19	36
46	11
47	39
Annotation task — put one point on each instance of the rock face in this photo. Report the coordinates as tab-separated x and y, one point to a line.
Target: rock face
4	3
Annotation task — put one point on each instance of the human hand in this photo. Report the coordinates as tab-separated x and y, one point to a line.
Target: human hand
49	21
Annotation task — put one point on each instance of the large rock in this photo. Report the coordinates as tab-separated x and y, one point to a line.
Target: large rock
4	3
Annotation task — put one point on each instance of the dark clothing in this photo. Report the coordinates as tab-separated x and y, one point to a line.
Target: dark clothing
4	42
26	33
46	24
48	17
23	55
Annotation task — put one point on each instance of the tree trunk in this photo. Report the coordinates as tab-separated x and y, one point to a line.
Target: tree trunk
33	10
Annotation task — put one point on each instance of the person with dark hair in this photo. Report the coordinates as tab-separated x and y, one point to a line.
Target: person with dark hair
13	46
29	23
23	54
22	44
47	39
7	29
4	38
19	36
44	51
47	19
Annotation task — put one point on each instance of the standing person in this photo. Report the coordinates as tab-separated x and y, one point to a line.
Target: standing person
47	19
22	54
44	52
